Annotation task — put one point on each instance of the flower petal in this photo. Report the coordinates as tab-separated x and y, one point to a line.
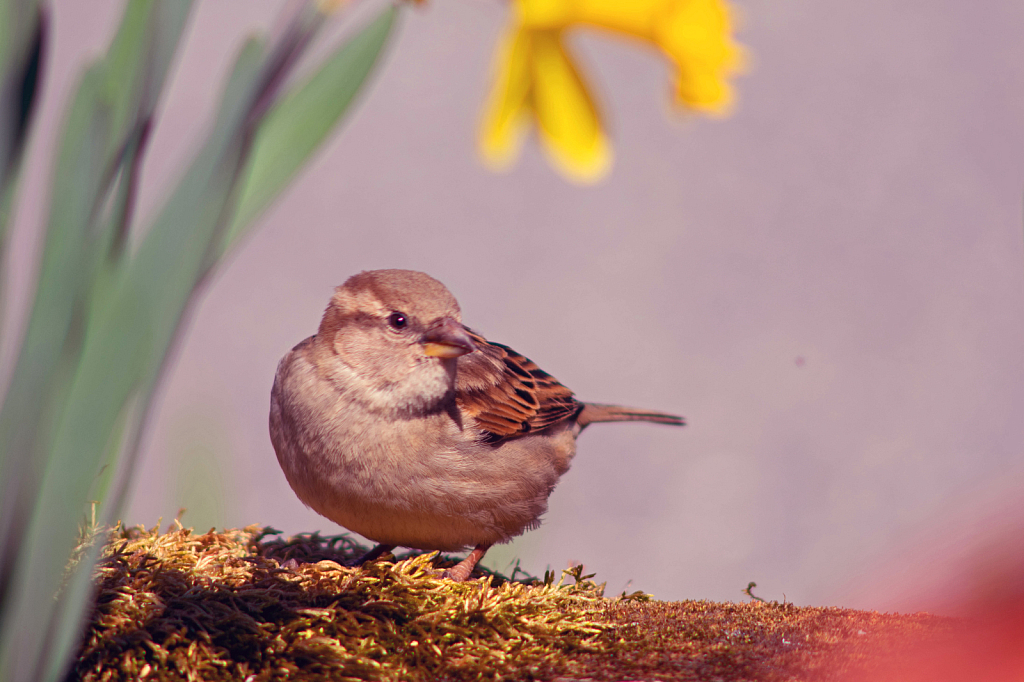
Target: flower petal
506	114
635	17
696	35
569	123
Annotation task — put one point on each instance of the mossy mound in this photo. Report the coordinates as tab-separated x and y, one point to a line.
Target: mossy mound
234	606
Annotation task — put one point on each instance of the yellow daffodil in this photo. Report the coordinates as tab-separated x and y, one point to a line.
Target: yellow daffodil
537	79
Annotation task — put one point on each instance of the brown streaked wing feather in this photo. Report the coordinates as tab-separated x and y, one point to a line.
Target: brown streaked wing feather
507	395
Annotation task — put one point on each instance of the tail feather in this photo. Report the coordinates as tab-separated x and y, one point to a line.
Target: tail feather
593	412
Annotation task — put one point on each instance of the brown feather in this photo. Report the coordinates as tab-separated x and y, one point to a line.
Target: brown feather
507	395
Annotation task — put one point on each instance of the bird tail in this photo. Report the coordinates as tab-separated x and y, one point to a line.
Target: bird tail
592	412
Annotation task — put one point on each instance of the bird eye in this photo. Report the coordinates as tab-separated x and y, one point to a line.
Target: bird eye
398	320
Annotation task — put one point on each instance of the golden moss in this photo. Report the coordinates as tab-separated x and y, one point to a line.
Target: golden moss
220	606
245	605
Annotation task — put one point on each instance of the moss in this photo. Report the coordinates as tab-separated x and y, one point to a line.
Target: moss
234	606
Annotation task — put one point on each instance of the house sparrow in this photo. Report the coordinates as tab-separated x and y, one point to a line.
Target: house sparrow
401	424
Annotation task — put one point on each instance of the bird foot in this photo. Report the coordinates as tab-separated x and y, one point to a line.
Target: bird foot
458	573
462	570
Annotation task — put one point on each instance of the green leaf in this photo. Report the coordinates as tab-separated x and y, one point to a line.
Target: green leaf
298	125
22	35
124	347
110	329
116	96
100	137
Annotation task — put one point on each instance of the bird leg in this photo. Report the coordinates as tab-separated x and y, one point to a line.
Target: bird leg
460	571
373	554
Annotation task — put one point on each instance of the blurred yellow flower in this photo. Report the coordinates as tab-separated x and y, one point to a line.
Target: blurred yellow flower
537	79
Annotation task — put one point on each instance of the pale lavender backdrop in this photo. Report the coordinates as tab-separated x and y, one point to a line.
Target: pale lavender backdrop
829	285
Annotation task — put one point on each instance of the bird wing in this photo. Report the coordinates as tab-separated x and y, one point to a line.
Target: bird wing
507	395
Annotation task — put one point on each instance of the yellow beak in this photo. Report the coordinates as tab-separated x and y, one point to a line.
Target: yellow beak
447	339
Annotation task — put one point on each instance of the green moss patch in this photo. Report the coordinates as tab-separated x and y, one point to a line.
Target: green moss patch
245	605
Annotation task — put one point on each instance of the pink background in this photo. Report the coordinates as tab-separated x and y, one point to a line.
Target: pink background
828	284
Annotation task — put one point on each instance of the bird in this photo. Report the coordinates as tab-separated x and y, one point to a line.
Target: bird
407	427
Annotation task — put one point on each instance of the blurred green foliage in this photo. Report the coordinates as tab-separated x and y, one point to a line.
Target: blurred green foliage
111	294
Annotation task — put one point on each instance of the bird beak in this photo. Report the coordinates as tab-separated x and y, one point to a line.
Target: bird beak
447	339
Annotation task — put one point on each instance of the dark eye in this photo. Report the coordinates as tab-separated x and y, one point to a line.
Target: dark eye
398	320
